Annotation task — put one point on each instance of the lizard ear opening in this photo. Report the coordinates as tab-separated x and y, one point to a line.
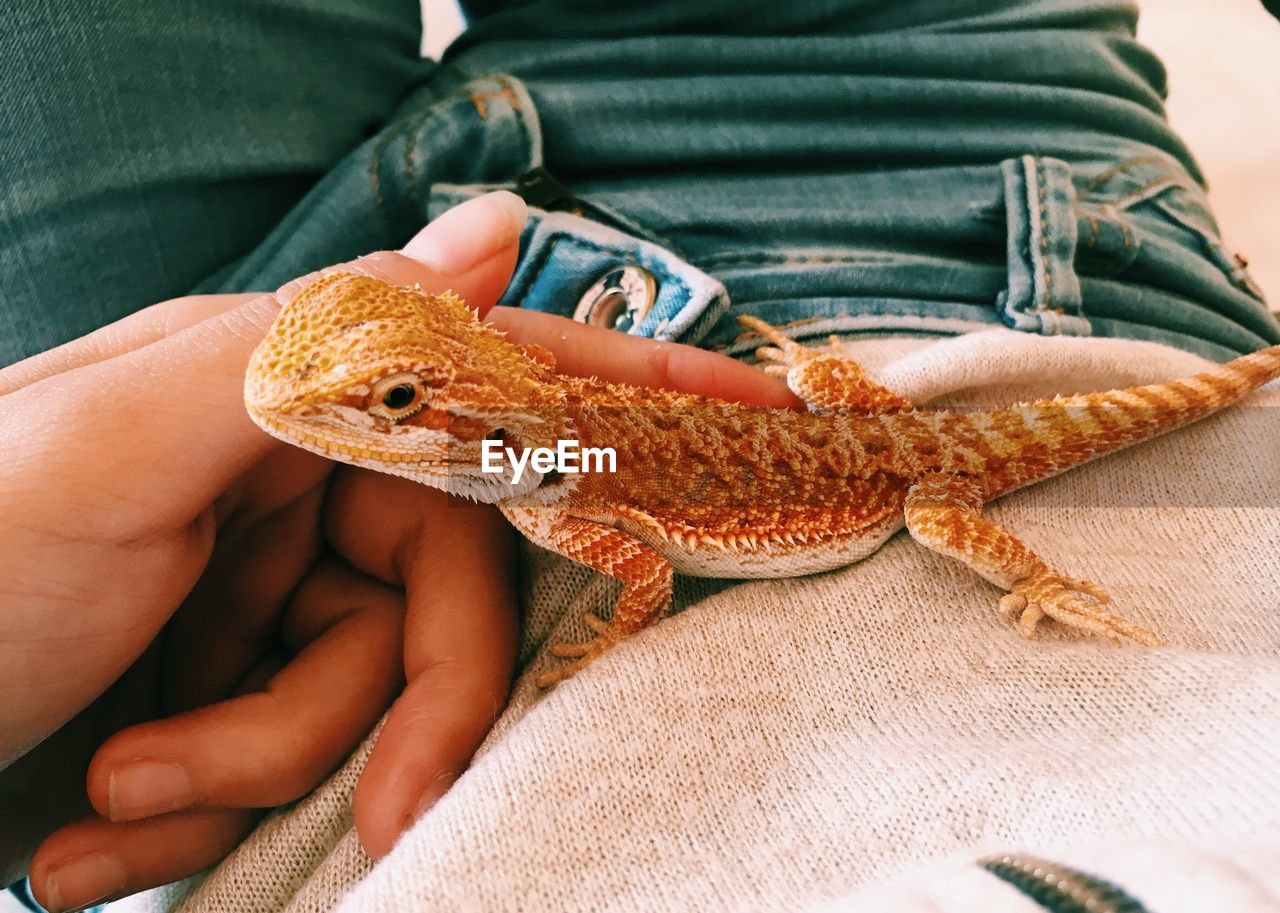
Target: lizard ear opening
397	396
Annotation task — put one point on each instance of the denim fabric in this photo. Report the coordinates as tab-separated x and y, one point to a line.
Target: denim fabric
145	145
844	166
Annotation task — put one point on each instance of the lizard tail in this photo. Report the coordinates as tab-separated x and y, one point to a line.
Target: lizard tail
1051	436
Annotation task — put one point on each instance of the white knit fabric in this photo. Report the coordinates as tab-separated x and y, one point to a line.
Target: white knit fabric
784	744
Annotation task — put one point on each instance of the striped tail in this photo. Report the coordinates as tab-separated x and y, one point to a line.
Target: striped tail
1050	436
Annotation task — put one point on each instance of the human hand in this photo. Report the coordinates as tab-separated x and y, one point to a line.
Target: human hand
208	621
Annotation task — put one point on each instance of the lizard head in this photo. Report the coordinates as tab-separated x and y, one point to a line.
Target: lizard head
394	379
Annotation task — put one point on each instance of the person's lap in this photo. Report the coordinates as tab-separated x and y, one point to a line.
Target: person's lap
779	742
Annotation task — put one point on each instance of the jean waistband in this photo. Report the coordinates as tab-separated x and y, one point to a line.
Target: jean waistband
1122	246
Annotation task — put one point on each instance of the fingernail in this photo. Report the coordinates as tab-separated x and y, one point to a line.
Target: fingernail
144	788
435	791
470	233
82	881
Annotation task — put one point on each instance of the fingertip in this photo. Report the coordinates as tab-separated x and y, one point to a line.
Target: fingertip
385	812
133	775
427	743
589	351
470	233
711	374
91	860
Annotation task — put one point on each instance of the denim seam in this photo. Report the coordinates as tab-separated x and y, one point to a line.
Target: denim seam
743	299
1164	181
375	163
762	258
1162	184
624	224
410	168
516	110
1047	305
1119	169
413	124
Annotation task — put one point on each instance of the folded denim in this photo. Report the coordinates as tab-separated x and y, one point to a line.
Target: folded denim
854	167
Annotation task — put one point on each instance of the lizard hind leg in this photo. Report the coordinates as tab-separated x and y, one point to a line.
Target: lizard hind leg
943	512
646	594
828	382
646	577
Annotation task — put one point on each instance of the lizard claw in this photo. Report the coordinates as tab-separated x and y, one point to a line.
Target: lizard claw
595	622
581	654
570	651
1075	603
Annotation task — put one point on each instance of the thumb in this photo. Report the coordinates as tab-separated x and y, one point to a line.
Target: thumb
166	421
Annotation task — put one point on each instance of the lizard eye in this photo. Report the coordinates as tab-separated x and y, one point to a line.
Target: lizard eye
397	396
400	396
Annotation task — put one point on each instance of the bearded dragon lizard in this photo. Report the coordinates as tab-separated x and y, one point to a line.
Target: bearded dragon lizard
403	382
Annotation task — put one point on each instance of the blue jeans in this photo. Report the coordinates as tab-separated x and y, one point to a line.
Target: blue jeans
861	168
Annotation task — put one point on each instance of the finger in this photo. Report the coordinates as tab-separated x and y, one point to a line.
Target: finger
591	351
231	618
273	746
457	562
133	332
93	860
178	402
470	250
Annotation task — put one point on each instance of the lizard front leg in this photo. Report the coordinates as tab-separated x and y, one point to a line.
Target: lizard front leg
645	575
828	382
943	512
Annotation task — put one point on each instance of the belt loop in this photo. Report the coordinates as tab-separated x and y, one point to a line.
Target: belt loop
1043	295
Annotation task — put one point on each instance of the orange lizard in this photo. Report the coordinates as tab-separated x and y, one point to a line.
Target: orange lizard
416	385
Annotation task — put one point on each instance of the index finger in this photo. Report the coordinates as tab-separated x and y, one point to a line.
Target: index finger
591	351
139	329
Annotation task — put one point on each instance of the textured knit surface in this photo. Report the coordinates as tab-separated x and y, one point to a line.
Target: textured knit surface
784	743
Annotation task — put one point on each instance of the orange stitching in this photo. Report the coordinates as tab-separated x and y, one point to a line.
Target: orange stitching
1138	191
375	167
1117	169
410	147
478	99
1044	235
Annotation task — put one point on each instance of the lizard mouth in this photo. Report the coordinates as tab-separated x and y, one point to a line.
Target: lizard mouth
329	437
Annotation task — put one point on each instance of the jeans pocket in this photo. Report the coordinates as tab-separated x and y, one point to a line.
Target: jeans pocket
1147	192
1126	248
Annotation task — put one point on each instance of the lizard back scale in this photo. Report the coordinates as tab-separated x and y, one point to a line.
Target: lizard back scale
400	381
